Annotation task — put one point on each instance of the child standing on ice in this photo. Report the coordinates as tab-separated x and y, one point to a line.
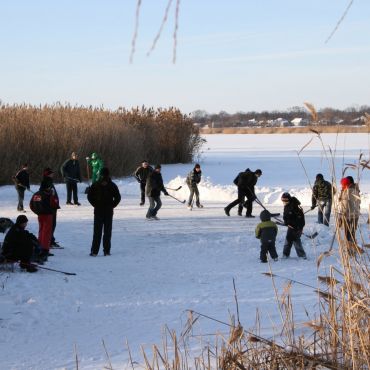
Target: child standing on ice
266	231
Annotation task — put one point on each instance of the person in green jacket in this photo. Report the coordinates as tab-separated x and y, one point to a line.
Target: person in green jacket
96	164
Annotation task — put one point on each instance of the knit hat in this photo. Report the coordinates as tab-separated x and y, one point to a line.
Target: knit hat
197	165
157	166
286	197
265	215
319	176
48	171
21	219
258	172
345	182
350	179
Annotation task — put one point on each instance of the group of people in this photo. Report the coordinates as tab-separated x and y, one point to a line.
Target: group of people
104	196
151	185
293	216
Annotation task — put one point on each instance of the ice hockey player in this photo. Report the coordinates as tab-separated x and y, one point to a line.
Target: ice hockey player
141	174
294	220
192	180
154	186
22	182
266	231
104	196
322	197
245	182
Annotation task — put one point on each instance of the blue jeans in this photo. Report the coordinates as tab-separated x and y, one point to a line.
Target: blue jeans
323	215
155	204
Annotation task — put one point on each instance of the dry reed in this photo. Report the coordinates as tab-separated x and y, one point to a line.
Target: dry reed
45	136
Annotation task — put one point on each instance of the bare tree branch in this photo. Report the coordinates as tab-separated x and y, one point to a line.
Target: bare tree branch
339	22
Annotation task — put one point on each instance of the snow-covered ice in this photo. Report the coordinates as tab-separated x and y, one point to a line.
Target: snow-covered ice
159	269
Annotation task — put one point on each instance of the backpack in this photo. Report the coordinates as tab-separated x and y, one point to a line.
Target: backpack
42	203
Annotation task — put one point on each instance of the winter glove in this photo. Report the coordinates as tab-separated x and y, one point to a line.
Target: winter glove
313	207
165	192
253	197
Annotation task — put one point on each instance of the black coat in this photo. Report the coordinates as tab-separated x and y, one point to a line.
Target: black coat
154	185
293	214
246	181
104	196
18	244
142	174
71	170
22	179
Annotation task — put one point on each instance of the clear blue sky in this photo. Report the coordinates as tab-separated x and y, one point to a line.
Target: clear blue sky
232	55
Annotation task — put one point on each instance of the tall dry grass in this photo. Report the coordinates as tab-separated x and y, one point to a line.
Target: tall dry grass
45	136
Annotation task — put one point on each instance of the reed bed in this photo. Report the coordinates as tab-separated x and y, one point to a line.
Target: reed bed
45	136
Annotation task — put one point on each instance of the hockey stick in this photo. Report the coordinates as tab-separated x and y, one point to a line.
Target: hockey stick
174	189
274	215
180	201
49	269
45	268
311	209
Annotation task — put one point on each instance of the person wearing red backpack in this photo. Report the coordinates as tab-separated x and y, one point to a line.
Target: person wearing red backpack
45	203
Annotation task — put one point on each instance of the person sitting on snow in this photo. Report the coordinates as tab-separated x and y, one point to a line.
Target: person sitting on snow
266	231
19	244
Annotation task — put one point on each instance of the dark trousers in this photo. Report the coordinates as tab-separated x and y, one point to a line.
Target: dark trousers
293	237
240	200
268	247
247	204
142	190
193	191
20	191
323	214
72	189
155	204
102	221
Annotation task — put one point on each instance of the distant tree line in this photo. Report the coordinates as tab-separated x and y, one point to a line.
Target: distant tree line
326	116
45	136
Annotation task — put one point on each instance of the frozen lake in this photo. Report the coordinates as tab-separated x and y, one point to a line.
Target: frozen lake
159	269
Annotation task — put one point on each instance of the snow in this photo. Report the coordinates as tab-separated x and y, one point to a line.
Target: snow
159	269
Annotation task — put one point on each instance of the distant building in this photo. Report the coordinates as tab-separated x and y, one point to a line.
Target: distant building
299	121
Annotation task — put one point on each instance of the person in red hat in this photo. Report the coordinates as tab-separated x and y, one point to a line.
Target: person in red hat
350	201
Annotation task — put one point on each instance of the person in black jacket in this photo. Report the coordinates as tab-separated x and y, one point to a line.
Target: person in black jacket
22	182
294	219
19	244
71	173
154	186
245	182
141	174
322	197
104	196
